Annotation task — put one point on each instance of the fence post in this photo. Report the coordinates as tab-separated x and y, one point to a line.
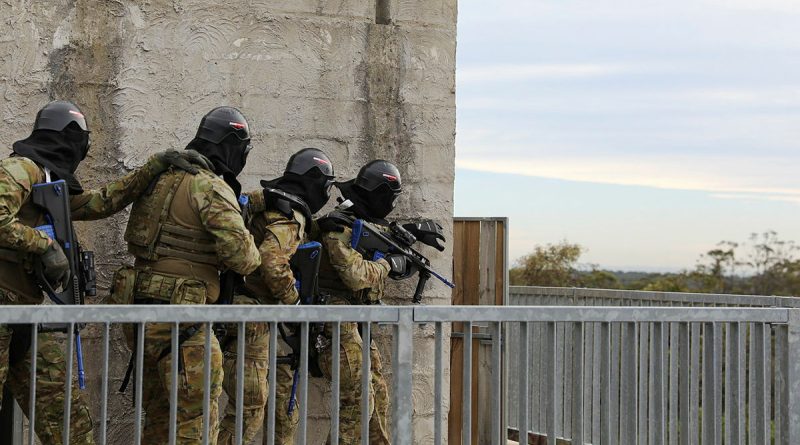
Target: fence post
403	381
793	379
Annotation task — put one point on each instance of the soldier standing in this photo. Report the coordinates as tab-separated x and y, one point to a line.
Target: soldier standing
349	278
184	233
290	201
58	143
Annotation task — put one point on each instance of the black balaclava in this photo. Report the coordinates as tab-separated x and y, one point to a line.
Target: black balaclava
372	206
314	191
229	157
59	151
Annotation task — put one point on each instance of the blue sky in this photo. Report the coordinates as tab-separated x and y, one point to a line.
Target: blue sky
645	131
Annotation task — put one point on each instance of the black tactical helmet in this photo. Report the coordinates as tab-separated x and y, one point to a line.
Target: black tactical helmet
222	122
302	162
309	175
379	173
57	115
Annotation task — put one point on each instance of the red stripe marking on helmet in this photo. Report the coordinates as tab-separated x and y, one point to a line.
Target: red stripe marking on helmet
390	177
238	125
77	113
322	161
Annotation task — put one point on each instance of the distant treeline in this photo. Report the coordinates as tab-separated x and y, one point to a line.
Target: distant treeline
763	265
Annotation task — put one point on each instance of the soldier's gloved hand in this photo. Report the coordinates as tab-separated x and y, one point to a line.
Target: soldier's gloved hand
427	232
187	160
399	265
55	266
329	225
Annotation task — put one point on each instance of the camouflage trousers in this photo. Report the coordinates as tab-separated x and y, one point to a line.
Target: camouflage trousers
157	380
256	389
350	388
51	375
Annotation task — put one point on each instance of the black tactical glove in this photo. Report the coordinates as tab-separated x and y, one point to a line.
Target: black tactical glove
187	160
329	225
55	266
400	267
427	232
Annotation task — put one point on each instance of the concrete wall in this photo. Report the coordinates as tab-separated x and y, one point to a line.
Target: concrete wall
361	79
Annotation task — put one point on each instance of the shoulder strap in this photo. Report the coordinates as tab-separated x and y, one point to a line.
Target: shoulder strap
283	202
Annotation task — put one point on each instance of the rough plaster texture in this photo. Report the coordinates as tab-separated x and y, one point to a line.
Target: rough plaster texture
317	73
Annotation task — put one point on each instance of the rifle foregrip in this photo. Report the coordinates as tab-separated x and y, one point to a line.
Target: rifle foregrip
423	279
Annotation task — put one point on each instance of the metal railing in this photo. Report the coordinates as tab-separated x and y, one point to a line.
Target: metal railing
637	375
686	377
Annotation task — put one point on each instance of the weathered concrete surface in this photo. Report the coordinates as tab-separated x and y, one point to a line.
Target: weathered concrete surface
317	73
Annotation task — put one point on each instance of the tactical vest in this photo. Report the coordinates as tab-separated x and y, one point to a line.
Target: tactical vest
166	235
15	276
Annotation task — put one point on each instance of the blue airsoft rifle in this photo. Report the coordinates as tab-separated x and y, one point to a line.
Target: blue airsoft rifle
374	243
53	199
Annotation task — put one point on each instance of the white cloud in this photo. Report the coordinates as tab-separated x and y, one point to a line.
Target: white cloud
526	72
724	177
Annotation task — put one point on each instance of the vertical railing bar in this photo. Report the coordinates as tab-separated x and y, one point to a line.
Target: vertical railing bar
717	387
104	386
628	378
303	427
577	383
207	384
793	378
497	382
68	383
708	383
590	374
137	386
523	401
616	344
768	368
760	387
240	360
751	386
641	412
32	396
606	416
781	373
674	354
335	363
173	388
437	386
657	371
741	370
731	383
563	370
683	382
403	360
694	384
366	338
466	387
273	367
552	382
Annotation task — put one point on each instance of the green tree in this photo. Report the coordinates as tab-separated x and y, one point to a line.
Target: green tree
550	265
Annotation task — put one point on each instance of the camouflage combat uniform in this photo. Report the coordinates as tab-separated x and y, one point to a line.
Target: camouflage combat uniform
185	231
278	237
351	279
20	243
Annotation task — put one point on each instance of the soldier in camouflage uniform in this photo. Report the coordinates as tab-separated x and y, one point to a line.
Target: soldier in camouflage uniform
184	233
54	149
349	278
281	225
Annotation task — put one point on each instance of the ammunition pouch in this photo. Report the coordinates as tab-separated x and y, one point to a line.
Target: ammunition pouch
172	290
